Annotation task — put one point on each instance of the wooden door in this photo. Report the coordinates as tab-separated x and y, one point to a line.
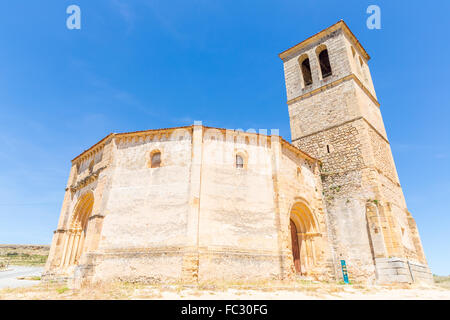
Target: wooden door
295	248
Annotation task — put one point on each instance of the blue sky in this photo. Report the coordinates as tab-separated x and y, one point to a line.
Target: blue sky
144	64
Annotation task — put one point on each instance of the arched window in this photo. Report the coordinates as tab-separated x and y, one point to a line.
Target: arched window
324	61
239	161
306	72
156	159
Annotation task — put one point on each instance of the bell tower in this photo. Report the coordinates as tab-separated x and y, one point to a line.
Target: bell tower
335	116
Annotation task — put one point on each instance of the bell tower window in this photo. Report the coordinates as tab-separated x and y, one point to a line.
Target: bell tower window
324	62
306	70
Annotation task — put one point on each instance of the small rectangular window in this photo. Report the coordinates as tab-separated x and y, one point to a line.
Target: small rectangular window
156	160
239	161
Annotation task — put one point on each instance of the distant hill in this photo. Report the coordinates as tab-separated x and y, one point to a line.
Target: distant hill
442	281
23	254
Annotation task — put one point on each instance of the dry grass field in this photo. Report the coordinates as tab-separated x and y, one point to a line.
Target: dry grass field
295	290
23	255
442	281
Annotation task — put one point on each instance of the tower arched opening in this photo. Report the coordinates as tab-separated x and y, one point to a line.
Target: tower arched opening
306	70
324	61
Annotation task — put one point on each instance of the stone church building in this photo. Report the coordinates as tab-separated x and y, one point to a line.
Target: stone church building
207	204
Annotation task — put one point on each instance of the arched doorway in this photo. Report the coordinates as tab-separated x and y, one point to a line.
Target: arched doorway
75	240
295	248
304	230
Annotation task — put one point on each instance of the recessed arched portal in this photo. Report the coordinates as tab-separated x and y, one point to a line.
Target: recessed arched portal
75	240
304	231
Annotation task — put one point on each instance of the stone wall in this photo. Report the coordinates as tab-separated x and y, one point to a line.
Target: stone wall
148	206
197	217
402	270
237	231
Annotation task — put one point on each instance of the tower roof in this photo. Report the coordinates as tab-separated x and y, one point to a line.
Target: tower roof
338	25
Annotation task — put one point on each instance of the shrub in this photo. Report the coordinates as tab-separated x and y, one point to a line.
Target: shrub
62	290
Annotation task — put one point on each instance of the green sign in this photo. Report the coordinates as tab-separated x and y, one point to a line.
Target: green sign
344	271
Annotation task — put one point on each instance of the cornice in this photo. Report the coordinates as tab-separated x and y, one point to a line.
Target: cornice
166	131
343	123
86	181
295	149
99	145
337	26
351	76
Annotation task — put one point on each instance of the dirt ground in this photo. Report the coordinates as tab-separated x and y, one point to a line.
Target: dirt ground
21	284
307	291
20	276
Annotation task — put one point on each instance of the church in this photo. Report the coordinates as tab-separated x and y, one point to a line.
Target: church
199	204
